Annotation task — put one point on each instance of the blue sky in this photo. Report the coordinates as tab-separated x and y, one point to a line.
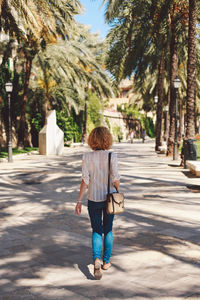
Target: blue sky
94	16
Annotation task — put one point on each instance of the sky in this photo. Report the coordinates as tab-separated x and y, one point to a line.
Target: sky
94	16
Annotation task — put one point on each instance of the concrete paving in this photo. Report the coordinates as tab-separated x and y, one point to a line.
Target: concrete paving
45	249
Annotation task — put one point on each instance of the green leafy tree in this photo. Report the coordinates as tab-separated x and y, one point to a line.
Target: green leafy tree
72	132
133	118
95	109
65	70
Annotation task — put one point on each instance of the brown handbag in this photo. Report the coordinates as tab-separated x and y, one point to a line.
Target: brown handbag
115	201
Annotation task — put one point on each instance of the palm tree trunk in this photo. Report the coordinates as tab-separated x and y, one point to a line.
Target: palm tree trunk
46	106
22	125
85	124
46	101
173	73
195	114
159	111
191	72
1	130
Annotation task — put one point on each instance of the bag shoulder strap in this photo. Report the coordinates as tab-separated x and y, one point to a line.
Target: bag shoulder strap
109	158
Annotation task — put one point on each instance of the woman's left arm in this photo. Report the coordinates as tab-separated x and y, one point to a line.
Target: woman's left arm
114	171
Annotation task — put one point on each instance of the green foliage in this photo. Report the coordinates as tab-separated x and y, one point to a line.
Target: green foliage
94	111
149	126
95	108
37	121
90	124
108	123
72	132
132	111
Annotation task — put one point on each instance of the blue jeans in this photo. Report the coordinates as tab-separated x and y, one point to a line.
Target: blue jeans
101	223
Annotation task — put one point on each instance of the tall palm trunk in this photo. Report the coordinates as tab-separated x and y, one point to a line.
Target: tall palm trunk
173	73
45	108
22	125
191	74
159	111
85	124
46	105
1	129
46	102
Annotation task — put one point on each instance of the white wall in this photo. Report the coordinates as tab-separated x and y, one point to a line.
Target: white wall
51	137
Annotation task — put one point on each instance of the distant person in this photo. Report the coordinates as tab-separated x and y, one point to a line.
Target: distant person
132	136
95	177
119	139
143	135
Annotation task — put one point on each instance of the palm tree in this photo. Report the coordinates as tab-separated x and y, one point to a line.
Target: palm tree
72	64
159	111
137	26
191	72
139	46
36	24
39	18
113	7
173	22
65	71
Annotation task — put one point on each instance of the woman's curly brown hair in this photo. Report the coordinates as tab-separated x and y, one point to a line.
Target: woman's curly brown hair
100	139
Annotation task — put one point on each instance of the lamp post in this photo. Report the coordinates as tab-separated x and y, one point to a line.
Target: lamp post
177	84
9	88
156	124
167	129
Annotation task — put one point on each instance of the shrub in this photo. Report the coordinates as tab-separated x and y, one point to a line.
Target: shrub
72	132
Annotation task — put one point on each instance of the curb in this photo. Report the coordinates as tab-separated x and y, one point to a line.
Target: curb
5	159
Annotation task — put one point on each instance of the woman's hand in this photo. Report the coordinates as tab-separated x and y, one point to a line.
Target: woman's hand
116	184
78	208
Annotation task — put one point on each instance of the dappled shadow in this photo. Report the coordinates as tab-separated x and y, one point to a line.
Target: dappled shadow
194	188
190	175
46	250
151	231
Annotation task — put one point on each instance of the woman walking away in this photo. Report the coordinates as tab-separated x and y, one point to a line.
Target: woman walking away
132	136
143	135
95	177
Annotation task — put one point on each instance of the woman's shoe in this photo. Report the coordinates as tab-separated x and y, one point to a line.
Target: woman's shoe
97	269
106	266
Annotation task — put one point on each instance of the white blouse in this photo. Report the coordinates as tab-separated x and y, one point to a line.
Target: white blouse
95	174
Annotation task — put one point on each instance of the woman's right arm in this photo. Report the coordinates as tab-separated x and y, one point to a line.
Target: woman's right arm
84	183
80	196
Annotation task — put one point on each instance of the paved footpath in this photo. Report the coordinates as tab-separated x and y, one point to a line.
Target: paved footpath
45	250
